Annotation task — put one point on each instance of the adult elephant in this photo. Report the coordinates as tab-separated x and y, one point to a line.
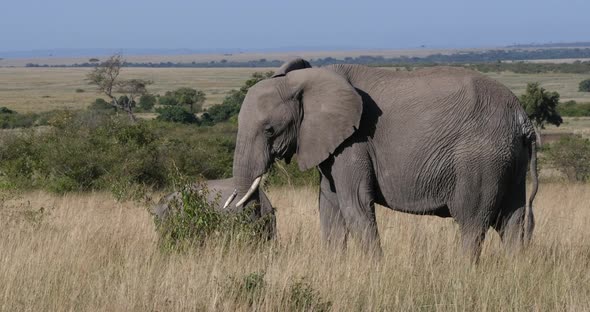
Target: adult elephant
439	141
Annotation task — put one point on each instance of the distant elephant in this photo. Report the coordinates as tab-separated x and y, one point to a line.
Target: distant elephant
438	141
219	194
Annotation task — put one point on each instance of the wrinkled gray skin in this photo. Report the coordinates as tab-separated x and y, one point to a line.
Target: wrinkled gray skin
218	192
441	141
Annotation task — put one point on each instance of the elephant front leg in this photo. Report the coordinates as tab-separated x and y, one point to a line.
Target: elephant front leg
361	222
333	227
355	191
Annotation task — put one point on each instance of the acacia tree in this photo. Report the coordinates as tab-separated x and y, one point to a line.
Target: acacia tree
105	76
541	106
584	86
190	98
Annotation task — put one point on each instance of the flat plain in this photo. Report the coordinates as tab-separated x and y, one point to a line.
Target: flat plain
41	89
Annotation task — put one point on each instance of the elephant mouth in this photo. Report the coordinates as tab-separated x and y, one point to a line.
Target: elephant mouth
251	191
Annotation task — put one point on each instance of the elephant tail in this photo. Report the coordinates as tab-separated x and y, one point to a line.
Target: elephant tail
530	218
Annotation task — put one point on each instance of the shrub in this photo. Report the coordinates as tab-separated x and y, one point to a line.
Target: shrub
90	150
6	110
10	119
233	101
584	86
176	114
571	156
541	105
574	109
197	221
248	288
80	90
102	105
147	102
187	98
303	297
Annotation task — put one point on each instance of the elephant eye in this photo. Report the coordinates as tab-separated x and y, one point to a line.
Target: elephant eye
269	131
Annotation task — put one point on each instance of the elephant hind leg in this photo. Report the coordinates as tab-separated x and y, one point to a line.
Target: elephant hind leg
474	204
472	237
511	218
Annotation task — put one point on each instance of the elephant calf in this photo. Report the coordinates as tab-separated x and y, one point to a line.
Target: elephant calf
220	192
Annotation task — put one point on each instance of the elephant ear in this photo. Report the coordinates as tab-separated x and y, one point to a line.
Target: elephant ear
331	110
291	65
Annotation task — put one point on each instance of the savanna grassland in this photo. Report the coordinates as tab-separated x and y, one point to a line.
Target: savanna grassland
43	89
87	252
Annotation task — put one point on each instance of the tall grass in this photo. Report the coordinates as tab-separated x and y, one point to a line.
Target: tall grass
89	252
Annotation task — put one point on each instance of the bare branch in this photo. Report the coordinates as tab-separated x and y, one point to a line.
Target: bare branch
105	76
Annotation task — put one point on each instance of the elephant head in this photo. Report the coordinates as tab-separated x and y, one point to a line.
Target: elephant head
218	191
302	111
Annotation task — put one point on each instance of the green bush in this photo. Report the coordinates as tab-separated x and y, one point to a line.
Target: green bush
303	297
574	109
102	105
176	114
233	101
89	150
147	102
197	221
10	119
188	98
584	86
571	156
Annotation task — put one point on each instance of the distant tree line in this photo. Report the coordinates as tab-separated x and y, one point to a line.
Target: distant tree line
492	58
180	105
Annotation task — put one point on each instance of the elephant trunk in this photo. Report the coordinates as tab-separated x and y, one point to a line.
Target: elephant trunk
250	163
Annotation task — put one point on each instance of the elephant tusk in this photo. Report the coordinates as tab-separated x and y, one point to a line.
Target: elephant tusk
230	199
251	191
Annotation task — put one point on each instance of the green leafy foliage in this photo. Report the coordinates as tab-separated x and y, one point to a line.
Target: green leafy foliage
147	102
584	86
303	297
197	221
574	109
541	105
89	150
571	156
187	98
233	101
126	101
175	114
100	105
10	119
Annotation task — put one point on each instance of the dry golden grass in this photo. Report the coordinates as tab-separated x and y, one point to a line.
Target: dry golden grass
89	252
41	89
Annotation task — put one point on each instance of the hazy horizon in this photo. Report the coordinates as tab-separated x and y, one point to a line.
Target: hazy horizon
271	26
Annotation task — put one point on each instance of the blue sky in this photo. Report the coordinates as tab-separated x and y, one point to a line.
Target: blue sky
266	24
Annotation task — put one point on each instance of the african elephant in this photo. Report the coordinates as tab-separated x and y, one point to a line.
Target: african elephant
440	141
219	194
